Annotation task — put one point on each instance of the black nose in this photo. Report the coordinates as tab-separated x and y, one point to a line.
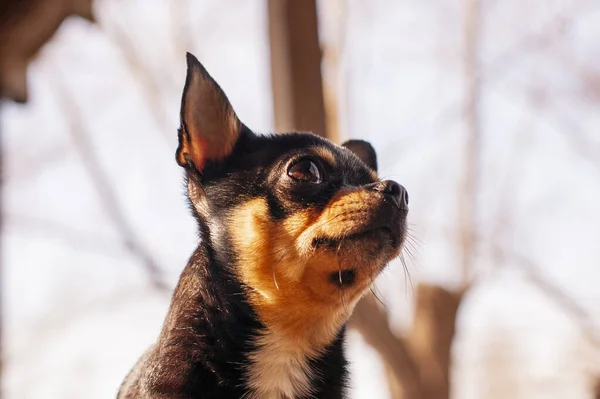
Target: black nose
394	190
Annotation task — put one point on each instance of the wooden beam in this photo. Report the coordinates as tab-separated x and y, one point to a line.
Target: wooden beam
296	66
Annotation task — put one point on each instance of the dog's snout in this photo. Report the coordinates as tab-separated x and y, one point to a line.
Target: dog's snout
394	190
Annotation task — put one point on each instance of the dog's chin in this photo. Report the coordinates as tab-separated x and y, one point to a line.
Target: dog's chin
377	241
367	251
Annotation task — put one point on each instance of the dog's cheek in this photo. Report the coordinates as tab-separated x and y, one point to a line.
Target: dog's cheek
249	228
265	249
197	197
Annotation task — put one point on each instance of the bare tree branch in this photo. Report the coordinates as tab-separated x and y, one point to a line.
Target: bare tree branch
493	71
563	301
575	137
179	25
102	184
56	322
467	212
125	45
529	44
30	166
74	238
502	220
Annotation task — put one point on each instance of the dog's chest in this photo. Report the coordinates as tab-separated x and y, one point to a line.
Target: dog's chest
279	370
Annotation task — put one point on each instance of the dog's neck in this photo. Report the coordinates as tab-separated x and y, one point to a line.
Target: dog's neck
211	322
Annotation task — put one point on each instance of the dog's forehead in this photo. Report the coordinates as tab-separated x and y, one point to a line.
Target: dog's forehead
355	171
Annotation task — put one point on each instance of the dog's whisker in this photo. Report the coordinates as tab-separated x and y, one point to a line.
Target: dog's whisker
407	273
275	280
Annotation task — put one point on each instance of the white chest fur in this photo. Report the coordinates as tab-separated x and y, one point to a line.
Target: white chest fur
278	370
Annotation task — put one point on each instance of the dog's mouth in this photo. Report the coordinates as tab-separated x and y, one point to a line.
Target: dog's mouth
379	233
370	248
343	278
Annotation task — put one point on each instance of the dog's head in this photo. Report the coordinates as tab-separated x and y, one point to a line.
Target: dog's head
306	225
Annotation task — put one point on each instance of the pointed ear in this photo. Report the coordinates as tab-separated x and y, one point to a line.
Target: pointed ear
209	125
364	151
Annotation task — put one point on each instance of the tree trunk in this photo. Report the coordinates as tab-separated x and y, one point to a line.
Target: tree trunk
296	66
418	365
371	321
430	339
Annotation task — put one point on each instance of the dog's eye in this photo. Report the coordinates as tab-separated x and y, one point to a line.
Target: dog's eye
305	170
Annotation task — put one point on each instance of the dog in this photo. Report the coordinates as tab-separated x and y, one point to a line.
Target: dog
293	231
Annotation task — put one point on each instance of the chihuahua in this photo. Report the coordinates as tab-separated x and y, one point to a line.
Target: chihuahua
293	231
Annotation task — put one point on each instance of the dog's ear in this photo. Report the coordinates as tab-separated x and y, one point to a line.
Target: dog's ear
209	125
364	151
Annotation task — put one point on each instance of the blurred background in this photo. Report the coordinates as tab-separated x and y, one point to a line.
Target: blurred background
487	111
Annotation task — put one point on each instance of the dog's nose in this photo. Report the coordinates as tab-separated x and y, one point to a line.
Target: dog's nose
395	190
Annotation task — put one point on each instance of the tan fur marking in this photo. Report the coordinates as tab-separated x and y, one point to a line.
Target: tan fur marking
374	175
291	288
325	154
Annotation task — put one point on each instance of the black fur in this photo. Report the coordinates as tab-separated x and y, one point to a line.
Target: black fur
210	331
205	355
205	343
